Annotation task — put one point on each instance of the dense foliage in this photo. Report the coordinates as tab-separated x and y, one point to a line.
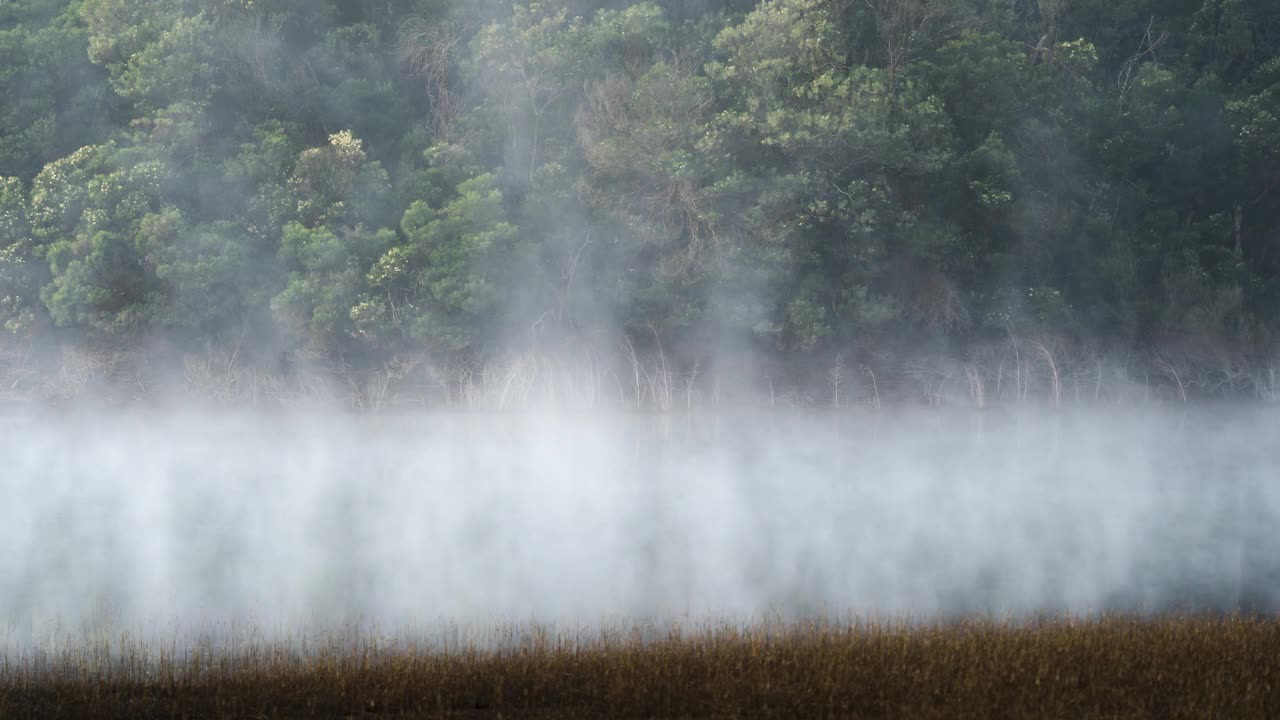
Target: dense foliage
798	176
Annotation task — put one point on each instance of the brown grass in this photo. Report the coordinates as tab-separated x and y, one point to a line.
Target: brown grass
1188	667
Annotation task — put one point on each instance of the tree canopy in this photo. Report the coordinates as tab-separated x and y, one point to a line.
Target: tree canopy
805	176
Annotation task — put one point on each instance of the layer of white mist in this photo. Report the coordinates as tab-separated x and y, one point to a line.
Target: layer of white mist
302	524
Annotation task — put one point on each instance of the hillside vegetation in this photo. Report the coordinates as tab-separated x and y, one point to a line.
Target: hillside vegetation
877	185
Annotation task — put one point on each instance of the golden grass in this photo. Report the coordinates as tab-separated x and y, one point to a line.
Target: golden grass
1177	667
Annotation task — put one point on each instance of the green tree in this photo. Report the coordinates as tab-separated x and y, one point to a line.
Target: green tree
86	211
21	271
216	277
340	197
55	100
450	278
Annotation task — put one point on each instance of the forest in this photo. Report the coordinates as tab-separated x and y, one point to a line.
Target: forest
882	195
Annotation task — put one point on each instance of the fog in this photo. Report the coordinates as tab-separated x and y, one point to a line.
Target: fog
302	523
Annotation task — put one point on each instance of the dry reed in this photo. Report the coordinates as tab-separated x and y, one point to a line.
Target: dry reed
1175	667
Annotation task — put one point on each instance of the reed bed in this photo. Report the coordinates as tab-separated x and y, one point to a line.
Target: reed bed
1115	667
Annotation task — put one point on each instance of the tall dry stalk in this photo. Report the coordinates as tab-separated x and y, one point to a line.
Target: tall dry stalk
836	376
636	370
1267	385
875	388
664	399
977	389
1018	393
1055	383
1172	372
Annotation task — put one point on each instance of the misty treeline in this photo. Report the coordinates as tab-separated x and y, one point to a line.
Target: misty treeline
879	193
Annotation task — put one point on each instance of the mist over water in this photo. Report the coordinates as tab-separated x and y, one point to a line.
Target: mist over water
295	523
